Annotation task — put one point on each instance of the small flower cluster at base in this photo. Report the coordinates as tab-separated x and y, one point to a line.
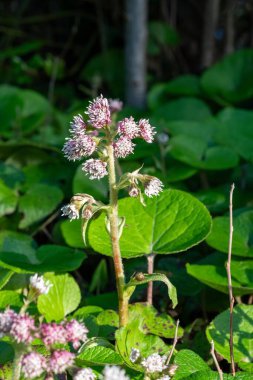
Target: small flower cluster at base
6	321
153	187
96	169
23	328
60	360
33	365
39	284
114	373
76	333
123	147
154	363
99	112
85	374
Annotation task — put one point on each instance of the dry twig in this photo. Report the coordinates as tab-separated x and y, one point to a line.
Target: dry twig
173	345
216	361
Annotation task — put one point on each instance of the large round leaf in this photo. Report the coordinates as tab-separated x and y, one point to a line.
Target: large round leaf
8	199
47	258
38	202
230	80
63	297
242	236
218	331
211	271
170	223
236	131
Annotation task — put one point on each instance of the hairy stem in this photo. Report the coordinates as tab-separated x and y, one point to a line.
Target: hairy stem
16	367
150	258
230	288
113	219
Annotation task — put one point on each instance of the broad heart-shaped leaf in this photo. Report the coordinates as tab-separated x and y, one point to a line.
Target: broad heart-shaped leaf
131	336
11	176
235	131
82	184
72	233
38	202
63	297
171	222
211	271
230	80
5	276
211	375
181	109
6	355
8	199
98	351
47	258
9	298
188	363
242	235
218	331
172	292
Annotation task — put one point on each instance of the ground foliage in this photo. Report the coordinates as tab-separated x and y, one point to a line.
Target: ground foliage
204	143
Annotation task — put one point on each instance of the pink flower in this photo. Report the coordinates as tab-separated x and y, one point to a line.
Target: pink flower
71	211
23	328
52	333
85	374
123	147
78	147
76	332
128	128
153	187
99	112
33	365
133	191
96	169
77	126
6	320
146	131
115	105
61	360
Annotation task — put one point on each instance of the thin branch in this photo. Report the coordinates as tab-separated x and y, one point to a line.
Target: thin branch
173	345
150	259
216	361
230	288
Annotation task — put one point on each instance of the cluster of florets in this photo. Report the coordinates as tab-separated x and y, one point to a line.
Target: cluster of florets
154	365
38	285
94	136
21	328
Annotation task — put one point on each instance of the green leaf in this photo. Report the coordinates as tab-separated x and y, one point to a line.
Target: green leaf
131	336
235	131
170	223
211	271
211	375
11	241
230	80
242	235
219	332
63	297
6	354
72	233
5	276
87	310
172	292
11	176
8	199
47	258
152	322
98	351
82	184
38	202
99	278
9	298
188	363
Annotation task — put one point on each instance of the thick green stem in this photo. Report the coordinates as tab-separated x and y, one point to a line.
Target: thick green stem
113	219
16	367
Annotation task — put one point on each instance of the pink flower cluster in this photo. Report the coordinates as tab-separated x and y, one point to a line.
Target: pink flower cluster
21	329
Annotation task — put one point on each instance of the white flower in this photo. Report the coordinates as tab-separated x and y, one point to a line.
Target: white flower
165	377
128	128
85	374
33	365
135	354
114	373
154	363
123	147
146	131
71	211
153	187
96	169
39	284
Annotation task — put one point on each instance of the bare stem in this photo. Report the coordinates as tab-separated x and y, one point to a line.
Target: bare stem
173	345
150	259
216	361
113	219
16	367
230	288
